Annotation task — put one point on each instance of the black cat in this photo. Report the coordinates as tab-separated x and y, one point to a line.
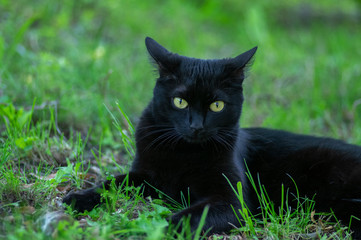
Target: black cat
189	138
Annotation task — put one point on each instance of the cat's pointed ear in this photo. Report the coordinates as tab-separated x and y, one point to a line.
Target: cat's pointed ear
245	58
238	65
164	60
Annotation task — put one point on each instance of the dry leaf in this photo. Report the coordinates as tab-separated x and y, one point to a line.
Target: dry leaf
313	216
27	210
48	177
63	189
28	186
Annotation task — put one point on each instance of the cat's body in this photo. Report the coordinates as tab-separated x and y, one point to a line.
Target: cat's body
324	169
189	141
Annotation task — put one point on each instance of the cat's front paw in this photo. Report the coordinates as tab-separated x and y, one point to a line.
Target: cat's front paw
83	200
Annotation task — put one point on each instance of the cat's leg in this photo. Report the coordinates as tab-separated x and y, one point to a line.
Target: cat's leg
220	217
89	198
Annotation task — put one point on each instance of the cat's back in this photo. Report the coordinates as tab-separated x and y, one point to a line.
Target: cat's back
315	164
277	144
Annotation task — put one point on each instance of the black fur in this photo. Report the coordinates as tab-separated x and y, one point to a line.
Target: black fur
194	148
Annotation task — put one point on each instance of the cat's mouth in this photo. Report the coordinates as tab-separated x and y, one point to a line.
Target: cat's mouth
196	138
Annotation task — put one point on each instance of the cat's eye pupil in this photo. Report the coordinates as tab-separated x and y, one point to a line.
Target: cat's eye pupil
217	106
180	103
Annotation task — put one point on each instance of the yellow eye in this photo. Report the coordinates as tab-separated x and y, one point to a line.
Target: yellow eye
217	106
180	103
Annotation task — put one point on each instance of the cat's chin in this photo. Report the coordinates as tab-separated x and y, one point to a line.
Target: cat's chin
193	140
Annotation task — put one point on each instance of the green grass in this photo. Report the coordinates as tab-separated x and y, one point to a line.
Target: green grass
70	70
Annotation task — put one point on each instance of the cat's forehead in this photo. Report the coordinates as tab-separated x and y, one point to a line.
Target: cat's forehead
200	72
197	78
200	67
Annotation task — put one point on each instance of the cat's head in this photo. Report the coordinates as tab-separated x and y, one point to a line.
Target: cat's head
200	99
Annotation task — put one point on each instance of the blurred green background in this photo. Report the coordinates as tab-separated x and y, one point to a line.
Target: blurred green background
81	55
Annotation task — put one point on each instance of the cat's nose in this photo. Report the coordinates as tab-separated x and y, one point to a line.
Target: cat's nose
196	126
196	121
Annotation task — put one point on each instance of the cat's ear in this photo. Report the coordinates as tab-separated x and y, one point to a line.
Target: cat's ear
236	67
164	60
